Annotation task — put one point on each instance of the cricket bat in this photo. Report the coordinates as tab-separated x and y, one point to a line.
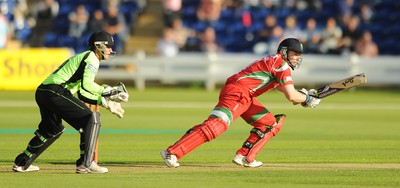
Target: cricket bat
347	83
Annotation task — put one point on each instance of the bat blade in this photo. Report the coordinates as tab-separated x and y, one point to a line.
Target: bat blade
340	85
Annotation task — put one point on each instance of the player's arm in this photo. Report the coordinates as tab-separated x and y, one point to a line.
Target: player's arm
90	89
303	96
292	94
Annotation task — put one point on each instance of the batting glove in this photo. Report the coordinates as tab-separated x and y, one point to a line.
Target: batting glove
311	101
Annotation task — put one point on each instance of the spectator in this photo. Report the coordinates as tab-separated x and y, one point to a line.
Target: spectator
270	33
21	26
142	4
311	37
346	11
172	11
4	31
366	47
271	44
331	36
78	21
351	34
44	13
167	46
97	21
275	39
366	14
106	3
271	4
314	5
291	29
181	33
208	41
115	25
345	6
235	5
266	31
209	11
251	3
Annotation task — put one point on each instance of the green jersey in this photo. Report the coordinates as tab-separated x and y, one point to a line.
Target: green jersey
77	74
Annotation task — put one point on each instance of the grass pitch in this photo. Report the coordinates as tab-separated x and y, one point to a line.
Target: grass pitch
350	140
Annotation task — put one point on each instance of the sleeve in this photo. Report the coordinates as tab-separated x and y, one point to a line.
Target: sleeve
90	91
283	74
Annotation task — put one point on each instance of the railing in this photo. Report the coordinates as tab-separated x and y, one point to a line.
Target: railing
213	69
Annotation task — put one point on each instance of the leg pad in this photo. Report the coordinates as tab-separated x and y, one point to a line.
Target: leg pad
91	134
263	137
209	130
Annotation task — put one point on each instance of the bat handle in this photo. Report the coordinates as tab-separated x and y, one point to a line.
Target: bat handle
315	96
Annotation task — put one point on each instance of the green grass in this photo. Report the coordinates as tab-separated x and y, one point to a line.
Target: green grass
350	140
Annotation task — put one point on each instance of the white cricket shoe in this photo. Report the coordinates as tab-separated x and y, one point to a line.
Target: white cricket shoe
241	161
29	169
169	159
93	168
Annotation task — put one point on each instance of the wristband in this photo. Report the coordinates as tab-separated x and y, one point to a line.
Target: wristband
308	98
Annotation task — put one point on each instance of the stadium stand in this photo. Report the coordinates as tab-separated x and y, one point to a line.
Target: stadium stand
231	33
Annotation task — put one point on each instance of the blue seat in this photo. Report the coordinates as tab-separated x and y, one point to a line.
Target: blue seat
258	15
67	41
61	25
51	40
129	9
66	8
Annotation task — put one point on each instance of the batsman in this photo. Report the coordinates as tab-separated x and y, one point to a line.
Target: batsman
61	96
238	97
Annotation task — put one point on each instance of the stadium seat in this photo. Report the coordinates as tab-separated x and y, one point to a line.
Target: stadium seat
51	40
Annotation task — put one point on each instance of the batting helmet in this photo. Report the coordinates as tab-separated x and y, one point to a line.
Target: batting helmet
292	44
100	40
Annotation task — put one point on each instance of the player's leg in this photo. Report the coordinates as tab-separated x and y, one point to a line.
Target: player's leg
231	104
37	145
50	129
196	136
89	127
265	127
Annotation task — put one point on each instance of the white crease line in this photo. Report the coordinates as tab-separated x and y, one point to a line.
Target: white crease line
145	104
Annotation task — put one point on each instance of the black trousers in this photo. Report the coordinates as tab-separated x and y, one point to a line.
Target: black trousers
56	104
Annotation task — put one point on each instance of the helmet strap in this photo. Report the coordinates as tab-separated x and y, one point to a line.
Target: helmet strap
285	54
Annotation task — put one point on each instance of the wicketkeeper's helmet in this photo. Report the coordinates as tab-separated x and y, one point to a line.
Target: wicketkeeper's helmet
292	44
100	40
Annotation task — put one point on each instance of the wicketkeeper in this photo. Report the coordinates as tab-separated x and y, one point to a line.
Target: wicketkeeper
56	101
238	98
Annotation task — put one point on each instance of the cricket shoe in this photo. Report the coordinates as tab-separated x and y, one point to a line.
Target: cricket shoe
169	159
93	168
31	168
241	161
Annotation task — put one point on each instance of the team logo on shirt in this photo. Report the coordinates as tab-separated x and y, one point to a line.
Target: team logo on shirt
92	68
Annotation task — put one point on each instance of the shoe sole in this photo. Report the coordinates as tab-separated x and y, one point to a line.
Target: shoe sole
247	166
243	165
89	172
237	163
164	156
19	169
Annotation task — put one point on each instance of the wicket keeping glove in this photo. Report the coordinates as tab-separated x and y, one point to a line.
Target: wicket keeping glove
117	93
311	101
114	107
